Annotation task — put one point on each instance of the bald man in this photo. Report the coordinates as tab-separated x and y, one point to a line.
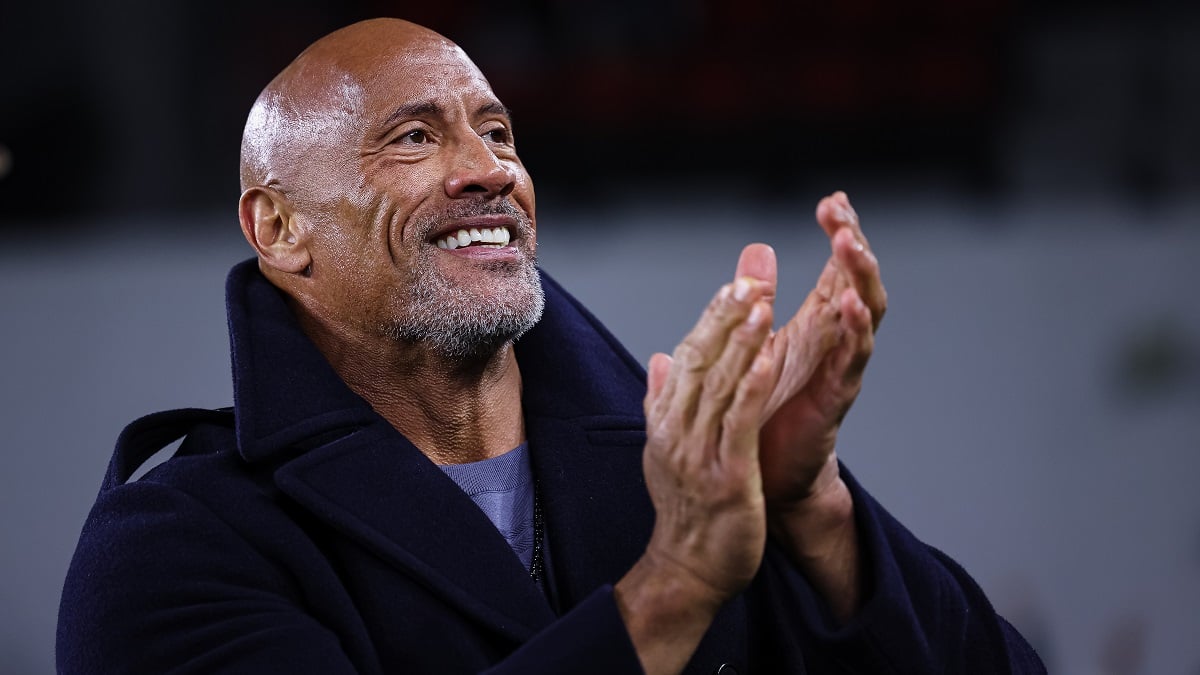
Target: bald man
404	486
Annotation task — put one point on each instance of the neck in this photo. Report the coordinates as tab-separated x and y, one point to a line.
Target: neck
454	411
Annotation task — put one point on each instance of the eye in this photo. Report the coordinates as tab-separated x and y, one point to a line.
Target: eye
498	135
415	137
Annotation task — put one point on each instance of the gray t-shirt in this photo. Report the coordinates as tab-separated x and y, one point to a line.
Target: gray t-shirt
502	487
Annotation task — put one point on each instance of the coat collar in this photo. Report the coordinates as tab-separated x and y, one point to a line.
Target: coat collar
285	392
337	457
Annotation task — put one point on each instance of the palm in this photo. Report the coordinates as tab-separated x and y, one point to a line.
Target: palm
802	416
819	357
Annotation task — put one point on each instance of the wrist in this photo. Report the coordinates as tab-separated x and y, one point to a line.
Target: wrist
819	535
814	525
666	611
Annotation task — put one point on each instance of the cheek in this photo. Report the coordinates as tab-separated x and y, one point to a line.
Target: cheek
392	195
523	193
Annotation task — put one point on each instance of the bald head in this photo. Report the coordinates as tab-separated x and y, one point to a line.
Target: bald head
361	161
318	98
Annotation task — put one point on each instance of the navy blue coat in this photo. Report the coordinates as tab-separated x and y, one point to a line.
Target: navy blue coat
301	533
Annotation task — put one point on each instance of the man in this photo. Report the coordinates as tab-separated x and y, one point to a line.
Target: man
319	528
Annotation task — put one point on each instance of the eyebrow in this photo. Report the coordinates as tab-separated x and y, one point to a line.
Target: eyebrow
496	108
431	109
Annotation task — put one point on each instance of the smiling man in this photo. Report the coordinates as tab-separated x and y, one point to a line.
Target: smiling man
439	462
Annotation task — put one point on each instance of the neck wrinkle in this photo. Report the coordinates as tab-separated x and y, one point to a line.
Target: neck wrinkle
454	411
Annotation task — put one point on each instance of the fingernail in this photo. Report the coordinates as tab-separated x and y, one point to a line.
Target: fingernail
741	289
762	363
842	215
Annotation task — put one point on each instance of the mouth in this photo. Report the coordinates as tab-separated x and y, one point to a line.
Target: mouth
477	232
482	237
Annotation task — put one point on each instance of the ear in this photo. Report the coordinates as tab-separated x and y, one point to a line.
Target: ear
271	228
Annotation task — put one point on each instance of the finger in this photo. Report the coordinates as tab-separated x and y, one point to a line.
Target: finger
819	306
841	372
803	344
758	261
836	215
722	379
810	334
862	268
829	284
703	345
743	418
858	341
811	320
835	212
656	377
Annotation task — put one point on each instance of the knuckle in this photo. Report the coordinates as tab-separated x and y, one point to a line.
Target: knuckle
716	380
732	420
869	261
747	336
666	427
756	380
856	366
866	346
690	356
719	302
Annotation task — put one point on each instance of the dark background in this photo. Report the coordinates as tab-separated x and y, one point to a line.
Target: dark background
137	107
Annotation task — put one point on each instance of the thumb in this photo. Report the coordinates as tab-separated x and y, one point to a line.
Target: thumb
656	376
758	261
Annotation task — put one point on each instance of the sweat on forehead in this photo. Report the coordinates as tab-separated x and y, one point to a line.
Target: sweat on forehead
316	99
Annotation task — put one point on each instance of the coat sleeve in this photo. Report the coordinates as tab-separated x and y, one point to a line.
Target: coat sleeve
161	584
923	613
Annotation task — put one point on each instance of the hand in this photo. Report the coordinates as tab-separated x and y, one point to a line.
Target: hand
703	408
819	356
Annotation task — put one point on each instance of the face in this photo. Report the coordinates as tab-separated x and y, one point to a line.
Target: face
421	213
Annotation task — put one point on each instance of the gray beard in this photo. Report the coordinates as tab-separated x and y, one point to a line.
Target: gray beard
457	323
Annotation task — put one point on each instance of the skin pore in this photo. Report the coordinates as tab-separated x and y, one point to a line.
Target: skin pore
368	164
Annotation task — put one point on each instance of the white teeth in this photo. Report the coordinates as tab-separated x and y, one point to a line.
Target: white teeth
497	237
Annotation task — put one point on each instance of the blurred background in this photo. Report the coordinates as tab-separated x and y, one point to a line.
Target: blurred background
1028	174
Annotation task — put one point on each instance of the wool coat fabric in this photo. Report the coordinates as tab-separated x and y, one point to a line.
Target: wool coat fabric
299	532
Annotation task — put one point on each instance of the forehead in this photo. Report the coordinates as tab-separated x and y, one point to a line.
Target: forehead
432	70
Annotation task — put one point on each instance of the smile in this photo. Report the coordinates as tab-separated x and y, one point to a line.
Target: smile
486	237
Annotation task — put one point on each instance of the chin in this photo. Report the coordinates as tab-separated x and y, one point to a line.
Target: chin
473	317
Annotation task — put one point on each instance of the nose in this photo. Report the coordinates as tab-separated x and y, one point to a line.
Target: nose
476	171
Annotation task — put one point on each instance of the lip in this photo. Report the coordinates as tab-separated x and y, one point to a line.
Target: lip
488	220
508	253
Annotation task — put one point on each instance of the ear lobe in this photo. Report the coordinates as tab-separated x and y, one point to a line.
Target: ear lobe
268	224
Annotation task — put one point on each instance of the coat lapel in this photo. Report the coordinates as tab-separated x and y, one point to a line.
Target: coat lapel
598	516
378	489
583	416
